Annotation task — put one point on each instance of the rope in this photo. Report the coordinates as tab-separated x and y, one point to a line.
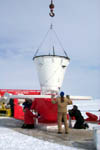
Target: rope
51	29
60	43
41	43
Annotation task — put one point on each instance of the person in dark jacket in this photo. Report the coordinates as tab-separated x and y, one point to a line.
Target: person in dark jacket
80	122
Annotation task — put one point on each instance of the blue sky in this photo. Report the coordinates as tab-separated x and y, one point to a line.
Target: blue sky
23	25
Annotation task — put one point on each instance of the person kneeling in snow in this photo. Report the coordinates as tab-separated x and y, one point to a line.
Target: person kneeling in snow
80	122
28	115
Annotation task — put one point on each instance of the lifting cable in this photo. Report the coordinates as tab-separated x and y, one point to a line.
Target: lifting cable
41	43
60	43
52	14
51	28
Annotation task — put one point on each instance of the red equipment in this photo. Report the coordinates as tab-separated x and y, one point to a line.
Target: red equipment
44	107
18	110
91	117
46	110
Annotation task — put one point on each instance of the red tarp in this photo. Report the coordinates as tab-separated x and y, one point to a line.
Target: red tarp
18	110
47	110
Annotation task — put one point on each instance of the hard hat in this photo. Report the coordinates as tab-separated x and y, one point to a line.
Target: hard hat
62	93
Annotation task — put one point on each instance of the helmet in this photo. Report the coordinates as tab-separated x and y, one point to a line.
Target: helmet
61	94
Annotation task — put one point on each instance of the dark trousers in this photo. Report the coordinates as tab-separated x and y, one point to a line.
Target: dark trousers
12	111
79	124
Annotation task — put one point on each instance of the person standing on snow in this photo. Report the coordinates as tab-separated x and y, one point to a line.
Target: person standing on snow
62	103
28	115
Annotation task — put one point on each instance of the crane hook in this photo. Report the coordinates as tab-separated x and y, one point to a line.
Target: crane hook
51	6
52	14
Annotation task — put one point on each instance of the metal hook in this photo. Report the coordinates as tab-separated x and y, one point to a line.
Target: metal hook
52	14
51	6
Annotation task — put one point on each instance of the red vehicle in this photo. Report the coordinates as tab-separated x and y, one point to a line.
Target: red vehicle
43	106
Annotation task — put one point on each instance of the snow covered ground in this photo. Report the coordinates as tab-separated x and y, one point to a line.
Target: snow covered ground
92	106
12	140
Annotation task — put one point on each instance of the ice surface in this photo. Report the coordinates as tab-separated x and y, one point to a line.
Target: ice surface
12	140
